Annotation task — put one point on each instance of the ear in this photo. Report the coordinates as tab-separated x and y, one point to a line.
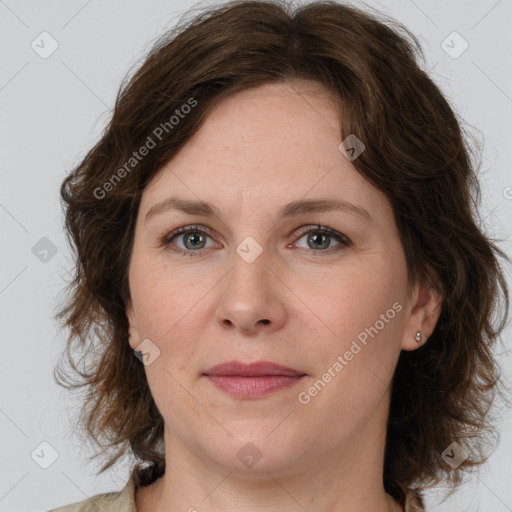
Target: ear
134	338
425	312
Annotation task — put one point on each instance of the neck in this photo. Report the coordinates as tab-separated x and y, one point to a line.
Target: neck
347	478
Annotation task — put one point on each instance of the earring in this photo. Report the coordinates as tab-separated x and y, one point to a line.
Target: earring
418	336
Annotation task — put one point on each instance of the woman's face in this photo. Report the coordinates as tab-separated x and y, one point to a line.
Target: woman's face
251	284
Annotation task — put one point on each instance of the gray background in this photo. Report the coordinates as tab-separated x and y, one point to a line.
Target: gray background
53	110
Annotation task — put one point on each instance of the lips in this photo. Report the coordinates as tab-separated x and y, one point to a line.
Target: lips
252	380
257	369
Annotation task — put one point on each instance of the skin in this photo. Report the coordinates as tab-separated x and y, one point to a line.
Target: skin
300	303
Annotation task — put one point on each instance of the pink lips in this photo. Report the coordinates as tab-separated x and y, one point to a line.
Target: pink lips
252	380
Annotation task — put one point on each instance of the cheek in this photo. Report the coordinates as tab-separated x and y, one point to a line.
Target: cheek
168	313
354	366
362	313
351	301
171	312
160	297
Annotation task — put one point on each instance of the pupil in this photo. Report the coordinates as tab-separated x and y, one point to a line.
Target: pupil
316	236
190	236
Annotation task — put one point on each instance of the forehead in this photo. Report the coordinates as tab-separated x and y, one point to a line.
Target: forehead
286	111
271	145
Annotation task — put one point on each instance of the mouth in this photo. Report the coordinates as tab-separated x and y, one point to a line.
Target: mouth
253	380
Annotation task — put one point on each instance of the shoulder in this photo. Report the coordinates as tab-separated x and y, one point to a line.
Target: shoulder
119	501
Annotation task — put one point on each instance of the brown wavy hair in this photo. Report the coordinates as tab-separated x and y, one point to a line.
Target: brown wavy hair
417	153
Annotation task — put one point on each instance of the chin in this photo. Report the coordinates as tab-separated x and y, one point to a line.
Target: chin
258	454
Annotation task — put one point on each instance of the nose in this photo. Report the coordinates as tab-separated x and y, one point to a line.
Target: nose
252	297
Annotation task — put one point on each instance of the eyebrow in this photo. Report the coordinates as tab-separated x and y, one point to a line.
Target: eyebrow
293	209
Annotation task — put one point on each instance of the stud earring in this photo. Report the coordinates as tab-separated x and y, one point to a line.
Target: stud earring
418	336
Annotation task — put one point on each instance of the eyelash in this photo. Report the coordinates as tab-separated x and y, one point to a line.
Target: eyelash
166	240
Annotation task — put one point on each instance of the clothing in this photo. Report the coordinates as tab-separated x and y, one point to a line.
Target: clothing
124	500
120	501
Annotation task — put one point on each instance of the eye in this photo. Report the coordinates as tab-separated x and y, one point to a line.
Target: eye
193	238
320	238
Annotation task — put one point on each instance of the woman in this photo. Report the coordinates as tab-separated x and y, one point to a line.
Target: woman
278	223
